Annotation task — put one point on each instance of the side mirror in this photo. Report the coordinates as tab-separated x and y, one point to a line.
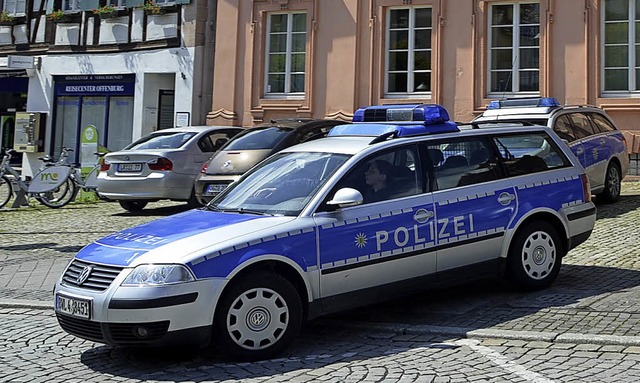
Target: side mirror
346	197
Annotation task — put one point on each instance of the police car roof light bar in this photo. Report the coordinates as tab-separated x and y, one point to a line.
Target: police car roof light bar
524	102
425	113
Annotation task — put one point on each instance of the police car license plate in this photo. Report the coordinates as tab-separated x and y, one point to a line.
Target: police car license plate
214	189
129	167
80	308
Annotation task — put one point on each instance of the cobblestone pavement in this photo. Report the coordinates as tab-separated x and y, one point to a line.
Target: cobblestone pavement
585	328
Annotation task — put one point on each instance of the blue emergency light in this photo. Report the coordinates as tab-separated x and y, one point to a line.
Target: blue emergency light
404	120
524	102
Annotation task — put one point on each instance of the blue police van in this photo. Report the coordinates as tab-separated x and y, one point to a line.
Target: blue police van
397	201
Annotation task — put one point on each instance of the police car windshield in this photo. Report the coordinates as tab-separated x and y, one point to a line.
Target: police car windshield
281	185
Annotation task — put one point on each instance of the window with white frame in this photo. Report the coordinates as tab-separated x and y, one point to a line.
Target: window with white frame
286	54
514	48
408	52
14	7
117	3
621	46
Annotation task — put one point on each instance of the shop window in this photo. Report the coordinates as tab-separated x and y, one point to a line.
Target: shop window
621	46
286	54
408	52
514	48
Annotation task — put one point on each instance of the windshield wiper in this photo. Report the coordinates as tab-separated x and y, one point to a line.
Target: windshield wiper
242	210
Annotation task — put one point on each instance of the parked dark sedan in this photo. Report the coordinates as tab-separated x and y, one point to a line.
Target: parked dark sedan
251	147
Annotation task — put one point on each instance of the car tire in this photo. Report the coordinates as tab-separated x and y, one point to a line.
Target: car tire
535	256
133	206
612	184
193	202
257	317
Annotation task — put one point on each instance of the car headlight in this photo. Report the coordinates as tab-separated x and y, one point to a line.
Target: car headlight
158	275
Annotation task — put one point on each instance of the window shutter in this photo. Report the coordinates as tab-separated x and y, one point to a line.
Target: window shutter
87	5
134	3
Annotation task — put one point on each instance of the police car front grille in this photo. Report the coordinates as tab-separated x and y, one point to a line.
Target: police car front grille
99	280
81	327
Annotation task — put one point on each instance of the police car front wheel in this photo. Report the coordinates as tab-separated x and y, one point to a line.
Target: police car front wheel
535	256
257	317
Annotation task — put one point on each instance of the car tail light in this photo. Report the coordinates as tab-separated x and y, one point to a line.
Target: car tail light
586	189
160	164
204	167
104	166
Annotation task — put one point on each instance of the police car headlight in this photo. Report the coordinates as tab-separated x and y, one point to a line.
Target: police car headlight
158	275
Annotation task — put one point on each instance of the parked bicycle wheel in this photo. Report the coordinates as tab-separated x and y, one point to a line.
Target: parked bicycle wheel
6	190
60	196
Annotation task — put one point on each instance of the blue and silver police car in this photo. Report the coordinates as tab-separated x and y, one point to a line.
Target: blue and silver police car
589	131
396	201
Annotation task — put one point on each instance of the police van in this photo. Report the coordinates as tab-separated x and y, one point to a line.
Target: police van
397	201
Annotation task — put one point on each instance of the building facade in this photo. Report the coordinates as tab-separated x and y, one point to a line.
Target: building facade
326	58
128	68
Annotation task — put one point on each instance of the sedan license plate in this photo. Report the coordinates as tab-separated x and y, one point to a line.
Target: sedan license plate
80	308
129	167
214	189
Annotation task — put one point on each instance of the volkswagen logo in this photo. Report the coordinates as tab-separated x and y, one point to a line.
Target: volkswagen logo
126	158
84	275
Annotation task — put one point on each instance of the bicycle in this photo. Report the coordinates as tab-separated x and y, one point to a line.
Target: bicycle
55	185
50	186
88	183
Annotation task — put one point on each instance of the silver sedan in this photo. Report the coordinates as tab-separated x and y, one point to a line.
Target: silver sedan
161	165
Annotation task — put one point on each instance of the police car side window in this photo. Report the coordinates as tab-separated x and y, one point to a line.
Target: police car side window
463	162
582	125
530	153
384	176
602	123
562	127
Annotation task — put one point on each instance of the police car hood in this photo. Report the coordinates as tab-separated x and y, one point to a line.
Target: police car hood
173	239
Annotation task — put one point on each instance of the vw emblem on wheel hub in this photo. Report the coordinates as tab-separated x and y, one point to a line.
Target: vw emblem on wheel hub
84	275
258	319
539	255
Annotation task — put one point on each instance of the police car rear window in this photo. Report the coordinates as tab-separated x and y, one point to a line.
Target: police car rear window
259	139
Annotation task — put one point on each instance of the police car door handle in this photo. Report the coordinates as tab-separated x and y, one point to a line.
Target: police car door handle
580	150
603	141
422	215
506	198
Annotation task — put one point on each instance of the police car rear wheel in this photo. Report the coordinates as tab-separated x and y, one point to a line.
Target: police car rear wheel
258	317
612	186
535	256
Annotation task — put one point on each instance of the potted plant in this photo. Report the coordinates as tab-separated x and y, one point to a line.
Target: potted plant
56	16
151	8
106	11
6	18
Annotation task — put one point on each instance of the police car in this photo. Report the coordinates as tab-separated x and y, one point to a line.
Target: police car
396	201
589	131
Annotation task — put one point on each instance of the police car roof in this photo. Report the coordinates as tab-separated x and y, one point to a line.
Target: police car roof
520	106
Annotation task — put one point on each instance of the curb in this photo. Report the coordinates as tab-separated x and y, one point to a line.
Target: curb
462	332
26	304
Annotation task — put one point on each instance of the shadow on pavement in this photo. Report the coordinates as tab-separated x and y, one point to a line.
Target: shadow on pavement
150	211
625	204
334	339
